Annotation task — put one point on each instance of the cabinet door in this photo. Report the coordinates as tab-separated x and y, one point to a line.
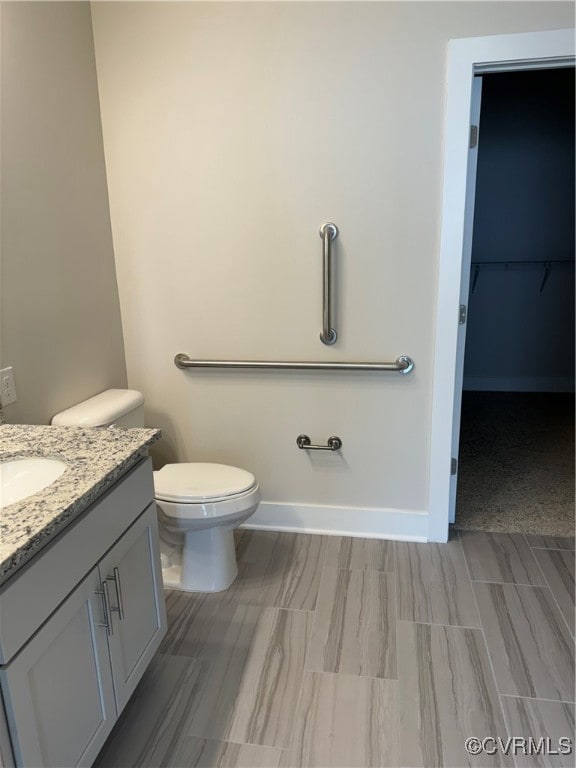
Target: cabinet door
134	575
6	755
58	689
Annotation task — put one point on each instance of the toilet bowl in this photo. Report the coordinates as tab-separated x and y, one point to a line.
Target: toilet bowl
199	504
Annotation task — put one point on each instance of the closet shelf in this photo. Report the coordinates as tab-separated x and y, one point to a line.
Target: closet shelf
518	265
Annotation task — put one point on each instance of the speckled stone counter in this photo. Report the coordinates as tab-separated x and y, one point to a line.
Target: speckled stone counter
96	459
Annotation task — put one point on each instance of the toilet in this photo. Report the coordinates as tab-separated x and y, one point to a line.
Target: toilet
199	504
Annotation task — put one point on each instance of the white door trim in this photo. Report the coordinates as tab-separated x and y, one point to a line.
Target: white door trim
466	57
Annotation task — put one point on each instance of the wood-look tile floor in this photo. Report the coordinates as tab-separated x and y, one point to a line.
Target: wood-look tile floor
329	651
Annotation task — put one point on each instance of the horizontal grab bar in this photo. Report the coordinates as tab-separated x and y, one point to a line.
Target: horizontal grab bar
332	444
403	364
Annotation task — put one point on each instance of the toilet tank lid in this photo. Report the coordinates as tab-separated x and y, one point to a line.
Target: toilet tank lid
100	410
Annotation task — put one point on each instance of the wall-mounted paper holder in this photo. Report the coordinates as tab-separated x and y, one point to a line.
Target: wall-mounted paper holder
332	444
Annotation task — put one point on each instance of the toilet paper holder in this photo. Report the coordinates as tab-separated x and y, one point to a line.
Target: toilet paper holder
333	443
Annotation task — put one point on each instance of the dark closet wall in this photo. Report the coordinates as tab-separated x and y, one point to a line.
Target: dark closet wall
519	337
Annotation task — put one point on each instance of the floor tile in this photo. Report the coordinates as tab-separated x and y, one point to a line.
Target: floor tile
446	694
197	622
354	628
528	642
360	554
345	721
257	546
500	557
281	570
220	754
433	584
551	542
558	568
225	689
152	730
241	540
249	693
149	730
533	718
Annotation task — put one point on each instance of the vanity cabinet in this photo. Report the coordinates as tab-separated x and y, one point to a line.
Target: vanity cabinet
65	688
59	688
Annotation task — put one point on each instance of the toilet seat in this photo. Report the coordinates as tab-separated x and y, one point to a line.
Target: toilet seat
197	482
195	493
223	509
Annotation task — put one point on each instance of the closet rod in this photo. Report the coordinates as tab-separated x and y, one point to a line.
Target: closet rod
512	262
402	364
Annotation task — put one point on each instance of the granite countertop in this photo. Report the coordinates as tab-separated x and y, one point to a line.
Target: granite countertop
96	459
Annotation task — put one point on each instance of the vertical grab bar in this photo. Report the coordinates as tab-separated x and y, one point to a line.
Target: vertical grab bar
328	232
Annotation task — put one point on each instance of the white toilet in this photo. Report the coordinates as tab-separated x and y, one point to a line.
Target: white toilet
199	505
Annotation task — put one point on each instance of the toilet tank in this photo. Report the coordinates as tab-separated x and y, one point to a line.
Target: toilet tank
114	407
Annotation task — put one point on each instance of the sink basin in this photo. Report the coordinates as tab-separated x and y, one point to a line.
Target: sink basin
20	478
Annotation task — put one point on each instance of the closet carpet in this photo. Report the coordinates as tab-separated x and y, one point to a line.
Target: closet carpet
516	463
331	651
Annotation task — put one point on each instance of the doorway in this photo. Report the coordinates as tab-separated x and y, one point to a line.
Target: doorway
516	470
467	57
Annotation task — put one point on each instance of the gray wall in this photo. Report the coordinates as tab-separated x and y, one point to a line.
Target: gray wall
60	314
519	338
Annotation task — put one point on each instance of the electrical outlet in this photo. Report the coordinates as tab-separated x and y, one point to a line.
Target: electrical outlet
7	386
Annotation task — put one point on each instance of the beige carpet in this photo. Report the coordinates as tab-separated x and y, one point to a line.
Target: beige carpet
516	470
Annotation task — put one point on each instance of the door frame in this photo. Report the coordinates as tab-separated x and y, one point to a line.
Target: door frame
467	57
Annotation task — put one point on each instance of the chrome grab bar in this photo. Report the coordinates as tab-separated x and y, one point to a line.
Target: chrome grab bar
328	232
332	444
403	364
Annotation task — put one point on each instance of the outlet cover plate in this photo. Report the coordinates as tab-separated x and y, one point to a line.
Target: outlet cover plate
7	386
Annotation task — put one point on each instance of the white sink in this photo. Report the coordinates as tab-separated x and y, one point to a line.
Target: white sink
20	478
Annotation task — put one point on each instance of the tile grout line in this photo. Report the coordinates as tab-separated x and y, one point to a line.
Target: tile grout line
397	622
535	698
551	549
498	694
358	570
263	606
509	583
439	624
352	675
561	549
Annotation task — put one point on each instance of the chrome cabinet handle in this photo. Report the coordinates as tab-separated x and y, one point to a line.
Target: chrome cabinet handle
328	232
105	595
119	609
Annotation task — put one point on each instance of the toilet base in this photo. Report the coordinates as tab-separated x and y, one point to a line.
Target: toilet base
207	562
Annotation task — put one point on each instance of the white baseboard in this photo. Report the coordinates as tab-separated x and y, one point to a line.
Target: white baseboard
368	522
519	383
